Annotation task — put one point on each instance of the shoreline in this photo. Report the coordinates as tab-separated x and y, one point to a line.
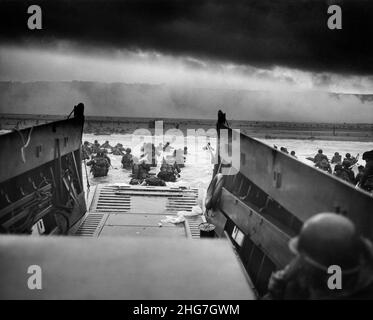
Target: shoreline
255	129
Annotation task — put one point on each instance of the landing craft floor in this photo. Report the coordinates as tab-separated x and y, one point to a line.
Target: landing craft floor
137	211
122	268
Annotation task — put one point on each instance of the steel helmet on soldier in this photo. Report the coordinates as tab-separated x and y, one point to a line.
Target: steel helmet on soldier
328	239
128	150
348	155
368	155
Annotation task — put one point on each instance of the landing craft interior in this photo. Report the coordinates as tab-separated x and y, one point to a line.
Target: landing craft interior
118	242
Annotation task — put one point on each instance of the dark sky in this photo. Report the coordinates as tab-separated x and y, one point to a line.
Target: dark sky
262	33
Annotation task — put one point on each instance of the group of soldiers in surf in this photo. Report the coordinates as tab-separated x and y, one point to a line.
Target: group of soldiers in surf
97	154
170	168
343	168
285	150
140	168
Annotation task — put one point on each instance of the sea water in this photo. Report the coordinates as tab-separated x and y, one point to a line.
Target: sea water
198	168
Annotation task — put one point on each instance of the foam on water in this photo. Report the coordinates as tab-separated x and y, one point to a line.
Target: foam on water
198	168
196	173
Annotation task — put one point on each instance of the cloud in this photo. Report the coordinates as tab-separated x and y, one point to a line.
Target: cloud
261	33
65	62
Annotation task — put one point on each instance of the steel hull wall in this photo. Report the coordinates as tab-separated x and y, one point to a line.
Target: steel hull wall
302	189
42	146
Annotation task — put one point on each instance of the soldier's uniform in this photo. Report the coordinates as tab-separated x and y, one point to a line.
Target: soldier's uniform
319	157
118	150
349	161
167	172
99	165
324	165
341	173
106	145
127	159
86	150
366	181
154	181
95	147
337	158
326	239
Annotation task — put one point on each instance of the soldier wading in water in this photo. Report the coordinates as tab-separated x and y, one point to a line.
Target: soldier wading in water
99	164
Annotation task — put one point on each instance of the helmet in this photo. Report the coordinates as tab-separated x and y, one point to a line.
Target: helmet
128	150
368	155
336	153
348	155
328	239
320	151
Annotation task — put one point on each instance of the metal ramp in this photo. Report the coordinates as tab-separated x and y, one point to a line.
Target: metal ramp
123	210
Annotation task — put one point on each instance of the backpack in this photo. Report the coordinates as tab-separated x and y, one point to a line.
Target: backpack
101	162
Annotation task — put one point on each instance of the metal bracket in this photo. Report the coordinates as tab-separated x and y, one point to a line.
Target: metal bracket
277	177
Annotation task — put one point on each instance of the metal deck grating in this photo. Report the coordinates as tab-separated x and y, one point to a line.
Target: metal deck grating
183	202
91	225
192	223
110	201
124	210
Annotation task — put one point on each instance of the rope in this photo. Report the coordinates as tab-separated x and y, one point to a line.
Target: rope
25	144
68	117
86	175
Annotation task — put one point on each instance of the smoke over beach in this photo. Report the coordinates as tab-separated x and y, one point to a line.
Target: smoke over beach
140	100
